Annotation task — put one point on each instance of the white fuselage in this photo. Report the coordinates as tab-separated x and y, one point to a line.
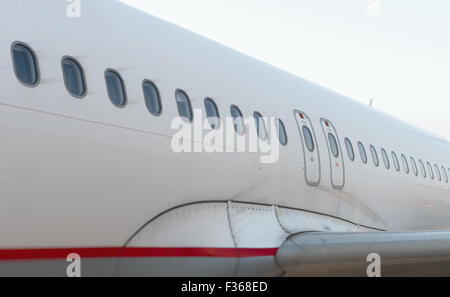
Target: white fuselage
82	172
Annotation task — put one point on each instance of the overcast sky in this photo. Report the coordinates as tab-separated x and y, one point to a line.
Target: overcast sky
394	51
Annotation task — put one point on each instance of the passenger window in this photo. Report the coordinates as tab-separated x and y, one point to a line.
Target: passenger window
333	145
151	97
414	167
422	168
350	152
430	170
405	164
438	173
212	113
115	88
282	136
260	125
444	173
362	152
73	75
395	160
238	119
25	64
385	158
373	151
308	138
184	105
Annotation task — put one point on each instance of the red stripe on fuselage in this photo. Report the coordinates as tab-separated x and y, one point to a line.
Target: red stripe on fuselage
134	252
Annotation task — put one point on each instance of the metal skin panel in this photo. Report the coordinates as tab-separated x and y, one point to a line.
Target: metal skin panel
193	225
424	253
294	221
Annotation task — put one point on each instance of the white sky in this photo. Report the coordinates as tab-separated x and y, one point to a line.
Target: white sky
400	58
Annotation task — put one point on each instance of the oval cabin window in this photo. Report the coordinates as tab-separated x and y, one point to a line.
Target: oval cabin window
115	88
414	167
350	152
405	164
373	151
422	168
74	79
362	152
395	160
184	105
430	170
260	125
151	97
25	64
385	158
238	121
444	174
282	136
437	172
308	138
333	145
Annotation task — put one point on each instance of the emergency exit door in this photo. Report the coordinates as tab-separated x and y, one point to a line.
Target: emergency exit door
335	154
310	148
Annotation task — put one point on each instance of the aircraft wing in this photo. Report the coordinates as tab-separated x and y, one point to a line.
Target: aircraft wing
424	253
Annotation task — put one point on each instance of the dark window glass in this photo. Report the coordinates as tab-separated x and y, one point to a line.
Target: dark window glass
422	168
333	145
308	138
115	88
212	113
184	105
438	173
25	64
350	152
282	136
260	125
74	79
414	167
373	151
385	158
151	97
362	152
238	119
395	160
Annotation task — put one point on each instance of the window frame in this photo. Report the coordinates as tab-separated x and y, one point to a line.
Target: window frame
348	143
83	76
280	123
423	170
124	89
150	82
35	60
362	150
430	170
437	172
414	166
258	116
406	168
374	153
385	158
395	161
216	108
444	171
333	144
311	136
189	104
241	118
